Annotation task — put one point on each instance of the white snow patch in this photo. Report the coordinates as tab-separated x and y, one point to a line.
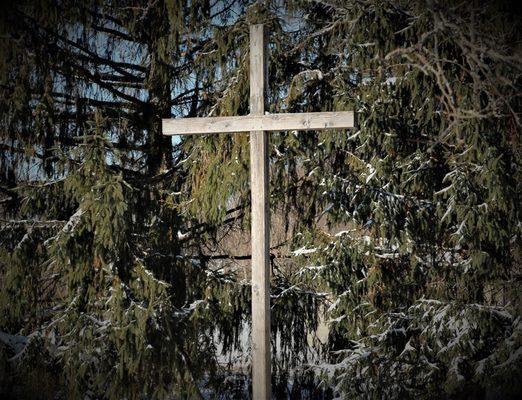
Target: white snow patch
303	250
183	236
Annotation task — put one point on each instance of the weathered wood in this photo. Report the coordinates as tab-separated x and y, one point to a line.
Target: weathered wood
259	125
252	122
259	179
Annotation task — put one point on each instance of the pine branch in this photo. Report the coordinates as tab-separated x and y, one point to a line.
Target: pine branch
89	56
113	32
92	77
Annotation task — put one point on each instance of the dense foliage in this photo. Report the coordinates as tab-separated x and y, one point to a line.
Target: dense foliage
401	236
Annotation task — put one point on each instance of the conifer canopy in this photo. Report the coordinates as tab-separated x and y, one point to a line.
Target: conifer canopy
396	259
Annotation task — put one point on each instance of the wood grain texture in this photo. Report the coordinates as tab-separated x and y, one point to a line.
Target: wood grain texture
258	122
259	180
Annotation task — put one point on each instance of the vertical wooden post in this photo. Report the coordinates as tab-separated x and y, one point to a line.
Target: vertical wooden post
261	360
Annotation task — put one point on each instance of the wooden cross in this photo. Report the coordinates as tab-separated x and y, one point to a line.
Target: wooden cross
259	124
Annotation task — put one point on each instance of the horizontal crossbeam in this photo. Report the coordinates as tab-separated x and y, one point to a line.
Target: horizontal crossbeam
269	122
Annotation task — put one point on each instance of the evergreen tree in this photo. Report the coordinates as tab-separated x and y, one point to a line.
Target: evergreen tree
95	281
425	299
407	229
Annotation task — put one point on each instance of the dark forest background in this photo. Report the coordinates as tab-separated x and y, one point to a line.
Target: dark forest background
401	237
